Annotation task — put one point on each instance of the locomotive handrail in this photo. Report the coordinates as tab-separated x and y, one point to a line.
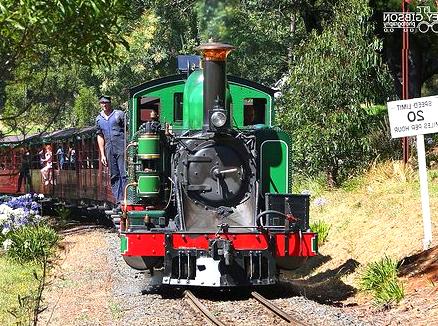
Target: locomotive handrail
170	193
258	218
125	195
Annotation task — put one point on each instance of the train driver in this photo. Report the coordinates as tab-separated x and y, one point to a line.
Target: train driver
248	115
111	140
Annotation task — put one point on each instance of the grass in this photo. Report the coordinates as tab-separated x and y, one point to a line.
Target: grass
380	279
322	228
15	280
375	214
315	185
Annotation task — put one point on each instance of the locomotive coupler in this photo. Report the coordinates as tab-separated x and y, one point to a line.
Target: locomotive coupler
221	248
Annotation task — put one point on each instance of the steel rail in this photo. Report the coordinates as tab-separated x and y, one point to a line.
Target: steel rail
197	305
272	307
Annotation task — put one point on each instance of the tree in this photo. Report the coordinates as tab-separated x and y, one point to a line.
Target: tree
337	75
164	30
85	31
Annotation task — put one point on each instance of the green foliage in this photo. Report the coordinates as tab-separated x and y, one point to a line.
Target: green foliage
315	185
430	87
216	19
17	281
85	107
23	311
32	244
41	97
86	32
64	214
353	184
395	5
164	30
380	278
324	105
322	228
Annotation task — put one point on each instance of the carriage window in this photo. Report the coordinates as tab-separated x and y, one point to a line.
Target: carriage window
178	107
146	106
2	159
254	111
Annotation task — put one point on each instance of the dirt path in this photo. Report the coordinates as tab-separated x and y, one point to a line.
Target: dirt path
91	285
80	288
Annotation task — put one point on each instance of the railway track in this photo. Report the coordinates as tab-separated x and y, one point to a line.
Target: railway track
275	309
199	307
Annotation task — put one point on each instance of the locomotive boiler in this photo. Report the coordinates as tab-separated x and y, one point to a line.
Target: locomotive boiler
207	201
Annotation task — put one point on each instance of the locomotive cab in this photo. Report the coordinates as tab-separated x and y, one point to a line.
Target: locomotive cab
208	195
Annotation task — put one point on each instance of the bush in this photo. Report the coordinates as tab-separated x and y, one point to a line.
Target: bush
18	212
64	215
322	228
32	243
380	279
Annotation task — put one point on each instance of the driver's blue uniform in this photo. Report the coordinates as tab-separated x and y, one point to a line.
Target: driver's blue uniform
112	128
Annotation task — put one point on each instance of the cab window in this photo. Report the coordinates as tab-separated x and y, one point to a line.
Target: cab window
178	108
254	110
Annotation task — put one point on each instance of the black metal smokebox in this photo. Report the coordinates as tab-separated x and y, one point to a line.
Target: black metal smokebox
297	205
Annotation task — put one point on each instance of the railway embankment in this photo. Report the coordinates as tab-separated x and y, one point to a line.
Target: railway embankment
375	216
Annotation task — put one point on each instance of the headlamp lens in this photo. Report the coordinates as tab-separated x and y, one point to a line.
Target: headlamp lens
218	119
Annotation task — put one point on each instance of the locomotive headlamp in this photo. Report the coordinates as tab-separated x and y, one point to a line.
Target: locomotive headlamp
218	119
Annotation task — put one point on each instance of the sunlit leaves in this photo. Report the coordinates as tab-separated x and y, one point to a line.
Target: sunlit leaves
334	78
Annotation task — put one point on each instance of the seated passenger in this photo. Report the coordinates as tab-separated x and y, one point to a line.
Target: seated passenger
47	169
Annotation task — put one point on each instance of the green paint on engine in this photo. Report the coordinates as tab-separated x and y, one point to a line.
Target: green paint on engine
274	147
123	244
241	93
315	243
148	184
142	214
193	101
148	146
165	93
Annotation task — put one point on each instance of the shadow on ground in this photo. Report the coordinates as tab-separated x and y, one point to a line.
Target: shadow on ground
325	287
420	264
308	267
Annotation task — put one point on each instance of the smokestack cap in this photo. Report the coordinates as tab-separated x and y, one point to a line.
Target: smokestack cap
215	51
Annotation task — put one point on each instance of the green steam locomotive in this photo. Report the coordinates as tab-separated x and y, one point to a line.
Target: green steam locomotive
208	199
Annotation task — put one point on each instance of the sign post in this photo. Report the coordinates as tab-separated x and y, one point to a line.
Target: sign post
416	117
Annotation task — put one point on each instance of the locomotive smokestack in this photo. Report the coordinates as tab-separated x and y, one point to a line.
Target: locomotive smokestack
216	115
